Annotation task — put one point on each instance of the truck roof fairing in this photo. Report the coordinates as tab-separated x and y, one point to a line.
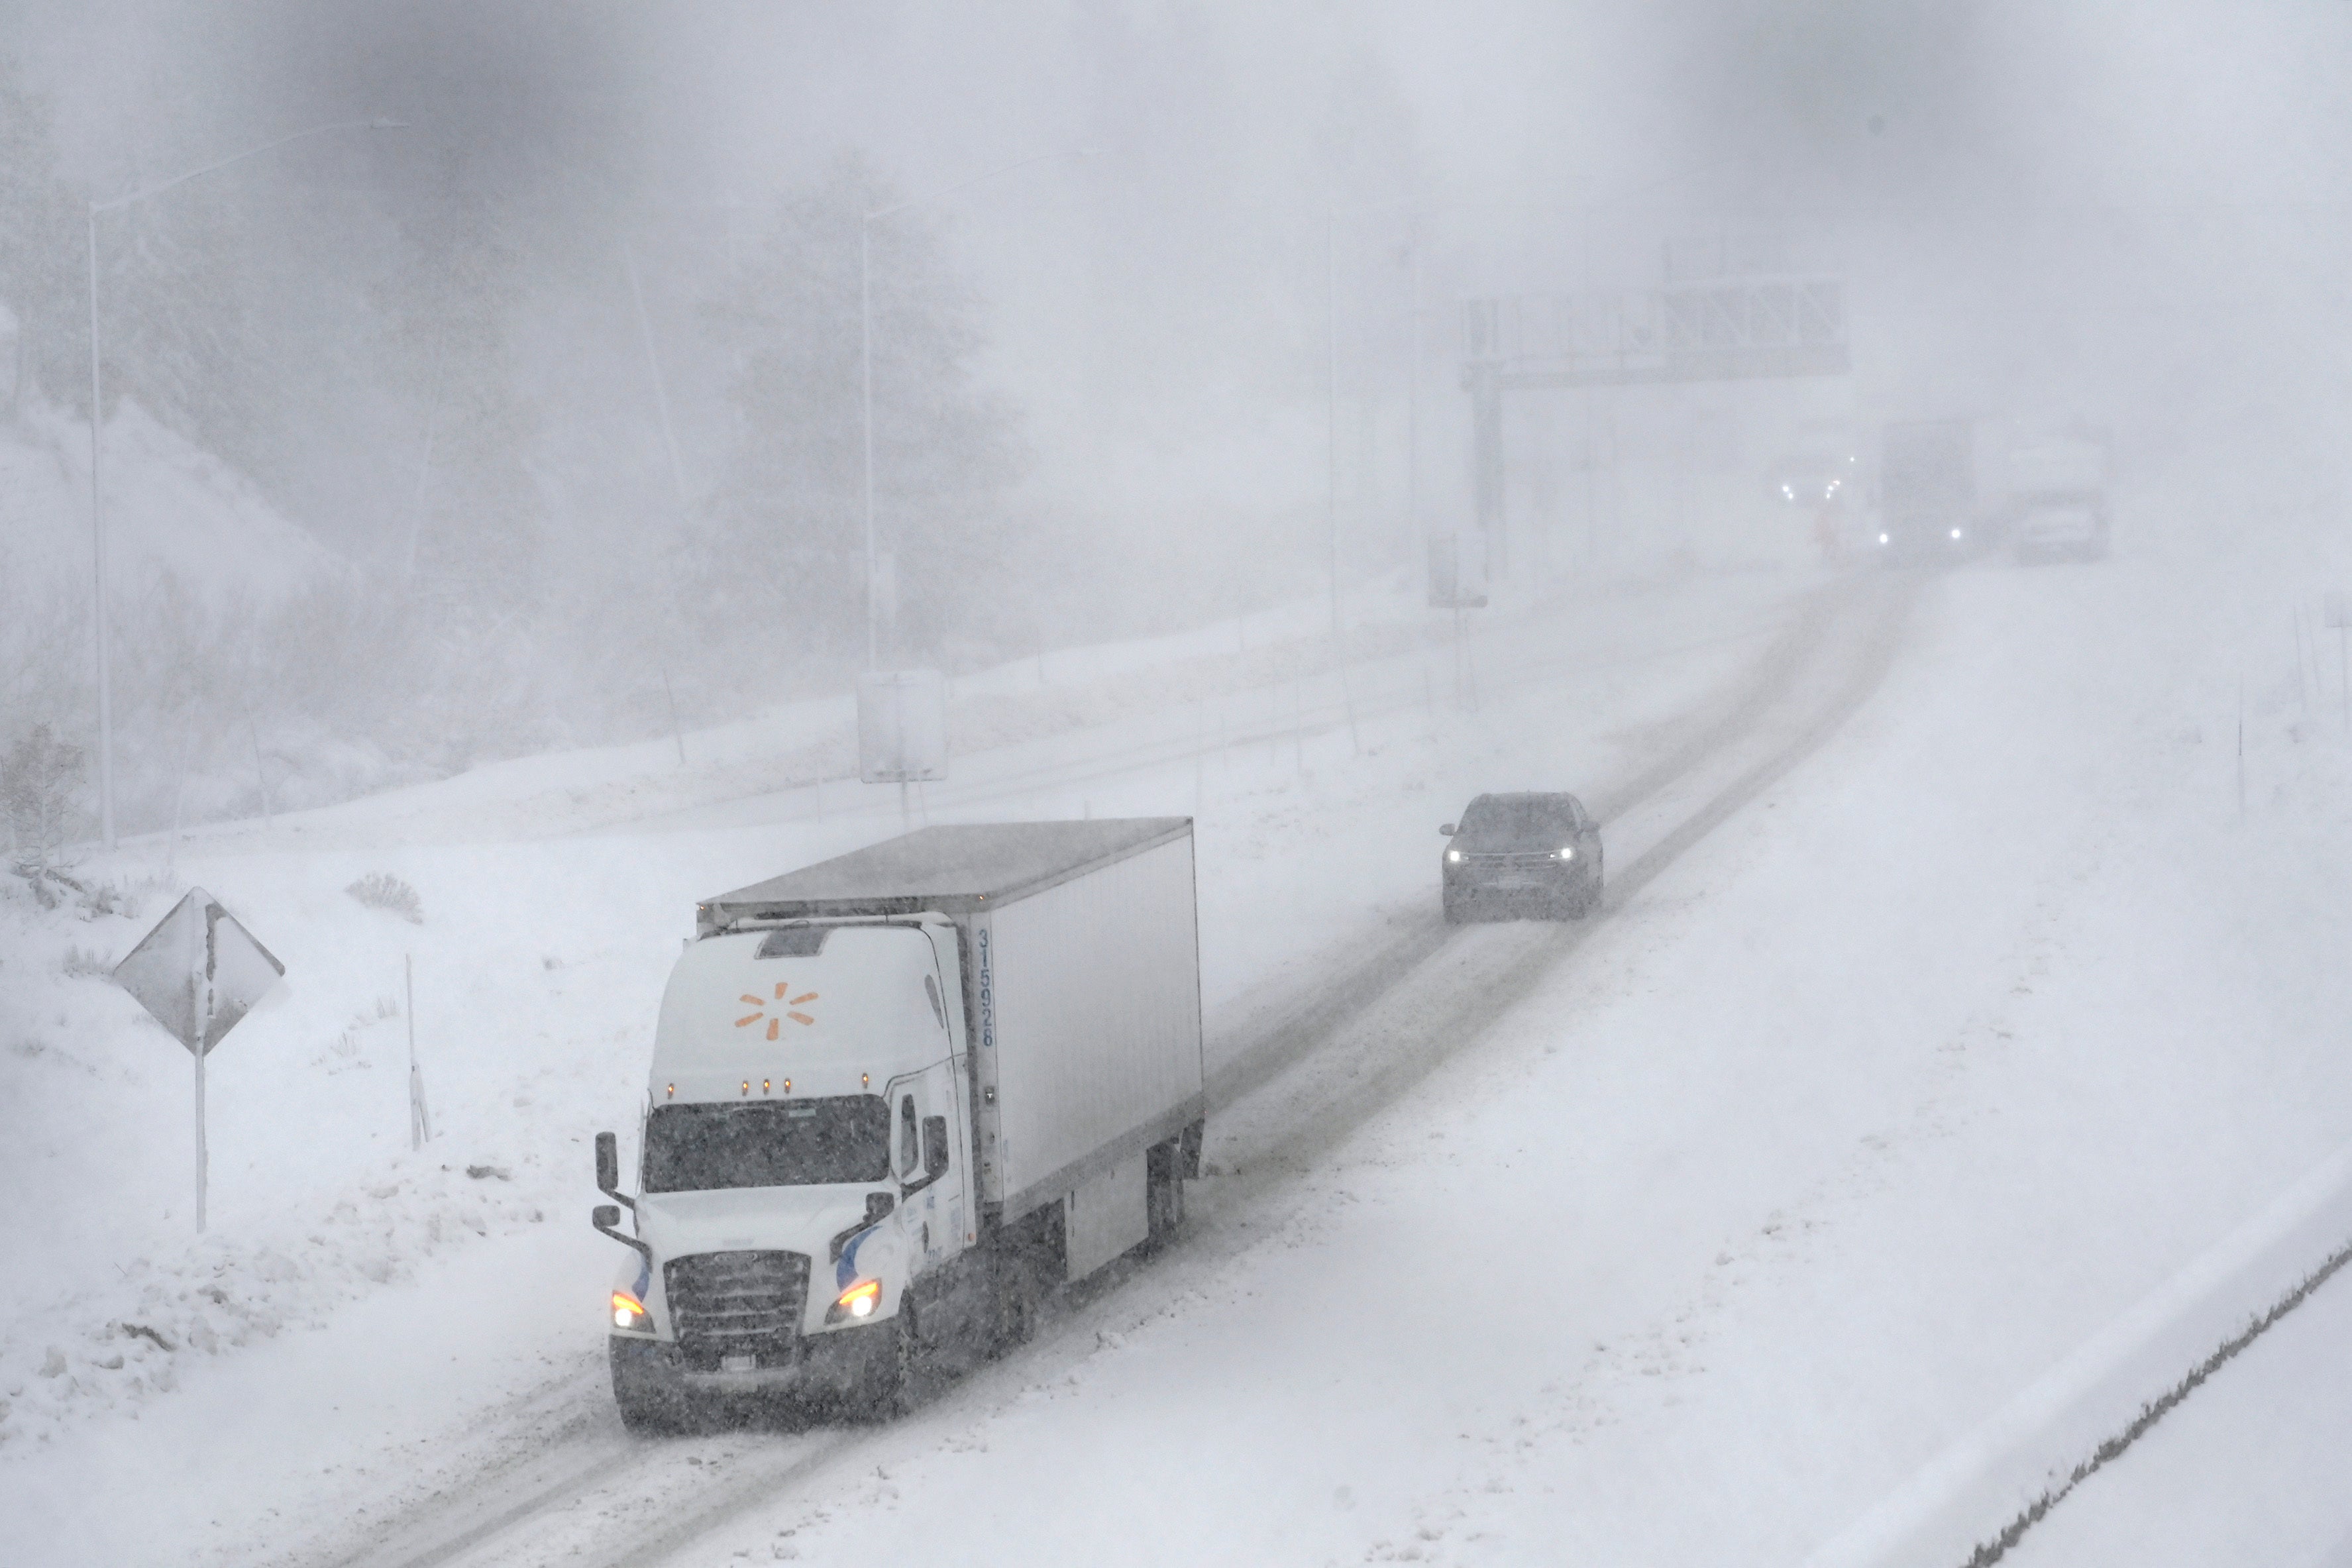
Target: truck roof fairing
731	1018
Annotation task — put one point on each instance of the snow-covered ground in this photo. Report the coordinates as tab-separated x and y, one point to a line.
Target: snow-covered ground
1914	1050
537	963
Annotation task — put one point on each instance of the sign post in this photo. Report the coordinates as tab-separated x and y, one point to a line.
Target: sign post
1448	589
902	729
199	972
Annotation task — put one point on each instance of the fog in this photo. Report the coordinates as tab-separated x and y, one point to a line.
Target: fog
518	427
422	347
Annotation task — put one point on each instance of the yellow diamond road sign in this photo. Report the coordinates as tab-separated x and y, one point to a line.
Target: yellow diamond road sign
199	971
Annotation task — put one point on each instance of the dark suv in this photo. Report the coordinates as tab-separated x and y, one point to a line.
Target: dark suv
1535	853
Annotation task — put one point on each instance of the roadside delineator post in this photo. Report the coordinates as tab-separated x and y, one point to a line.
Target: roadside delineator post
2338	614
420	1120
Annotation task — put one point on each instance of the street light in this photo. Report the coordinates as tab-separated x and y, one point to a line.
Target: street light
866	366
97	514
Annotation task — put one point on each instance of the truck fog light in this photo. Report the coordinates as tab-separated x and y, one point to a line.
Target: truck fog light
857	1302
628	1313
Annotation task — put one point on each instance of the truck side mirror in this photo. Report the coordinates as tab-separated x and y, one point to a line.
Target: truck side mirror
606	1218
1446	832
608	1168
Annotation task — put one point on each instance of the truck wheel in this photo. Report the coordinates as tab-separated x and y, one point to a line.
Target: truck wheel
1163	1196
651	1405
890	1377
1014	1318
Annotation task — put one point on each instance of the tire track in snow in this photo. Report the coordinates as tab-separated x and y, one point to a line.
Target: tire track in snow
1380	1059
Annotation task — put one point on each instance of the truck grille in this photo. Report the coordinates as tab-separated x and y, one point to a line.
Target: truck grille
737	1303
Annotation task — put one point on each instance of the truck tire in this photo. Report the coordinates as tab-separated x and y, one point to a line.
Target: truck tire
889	1381
1164	1194
651	1405
1588	897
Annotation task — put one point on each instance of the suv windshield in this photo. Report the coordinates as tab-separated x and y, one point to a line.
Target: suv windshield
1538	818
773	1143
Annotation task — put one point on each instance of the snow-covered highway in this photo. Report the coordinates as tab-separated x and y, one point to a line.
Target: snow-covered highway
1697	1227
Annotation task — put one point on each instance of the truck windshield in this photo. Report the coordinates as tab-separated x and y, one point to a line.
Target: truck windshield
774	1143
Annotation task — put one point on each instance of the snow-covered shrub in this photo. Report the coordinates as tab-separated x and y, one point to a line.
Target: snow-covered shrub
381	890
84	963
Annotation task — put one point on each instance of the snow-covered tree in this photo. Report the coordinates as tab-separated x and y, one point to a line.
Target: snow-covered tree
479	533
782	562
40	787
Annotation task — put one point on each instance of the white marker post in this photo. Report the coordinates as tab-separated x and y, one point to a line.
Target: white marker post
420	1125
199	972
2338	614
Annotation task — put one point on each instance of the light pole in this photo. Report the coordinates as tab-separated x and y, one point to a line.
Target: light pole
1331	402
866	367
97	512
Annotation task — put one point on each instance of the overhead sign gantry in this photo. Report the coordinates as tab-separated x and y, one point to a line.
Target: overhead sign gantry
1721	329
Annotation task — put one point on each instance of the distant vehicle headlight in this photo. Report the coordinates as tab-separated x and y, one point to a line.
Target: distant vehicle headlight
1882	538
1454	857
628	1313
1789	491
1956	533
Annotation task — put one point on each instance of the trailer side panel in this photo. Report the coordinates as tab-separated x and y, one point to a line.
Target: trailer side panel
1095	996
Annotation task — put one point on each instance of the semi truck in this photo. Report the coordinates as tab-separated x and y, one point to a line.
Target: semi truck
896	1100
1927	491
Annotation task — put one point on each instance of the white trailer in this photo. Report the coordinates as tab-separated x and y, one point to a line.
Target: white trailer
899	1096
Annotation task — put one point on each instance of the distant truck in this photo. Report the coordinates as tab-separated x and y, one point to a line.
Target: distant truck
899	1097
1927	492
2057	495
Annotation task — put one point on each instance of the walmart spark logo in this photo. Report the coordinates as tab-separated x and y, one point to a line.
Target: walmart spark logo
760	1009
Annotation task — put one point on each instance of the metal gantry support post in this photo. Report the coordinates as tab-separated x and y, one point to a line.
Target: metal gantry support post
1487	461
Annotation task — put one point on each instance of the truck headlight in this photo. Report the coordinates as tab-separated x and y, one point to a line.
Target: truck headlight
1454	857
628	1313
856	1302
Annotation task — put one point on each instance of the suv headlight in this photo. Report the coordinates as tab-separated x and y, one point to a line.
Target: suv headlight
1454	857
1567	851
629	1314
